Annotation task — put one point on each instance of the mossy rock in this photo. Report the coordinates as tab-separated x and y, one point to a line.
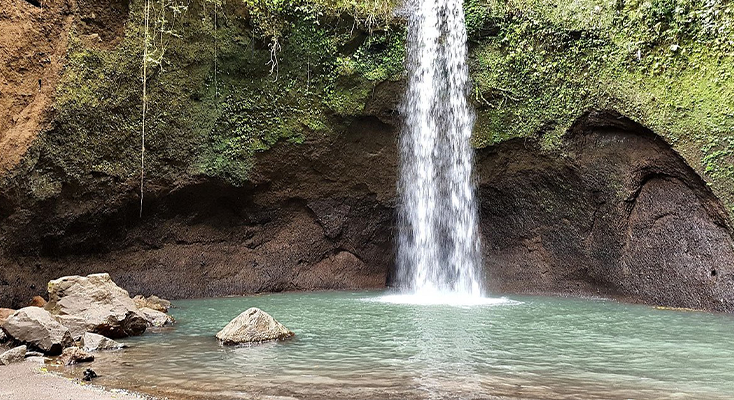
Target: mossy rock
540	64
216	96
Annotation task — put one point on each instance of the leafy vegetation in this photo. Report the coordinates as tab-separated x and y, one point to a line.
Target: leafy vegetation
539	64
229	79
214	100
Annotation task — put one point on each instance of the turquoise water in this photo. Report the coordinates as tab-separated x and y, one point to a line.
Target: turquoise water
352	345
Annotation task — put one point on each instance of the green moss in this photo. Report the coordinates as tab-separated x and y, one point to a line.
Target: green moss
540	64
537	65
272	19
381	56
212	120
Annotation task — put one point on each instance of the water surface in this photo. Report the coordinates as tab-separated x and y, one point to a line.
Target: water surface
359	345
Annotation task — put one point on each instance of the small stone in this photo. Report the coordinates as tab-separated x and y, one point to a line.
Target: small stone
95	342
159	304
253	326
156	318
74	355
3	336
13	355
37	301
33	354
89	374
154	302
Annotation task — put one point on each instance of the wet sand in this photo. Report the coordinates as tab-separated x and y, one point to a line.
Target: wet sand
30	381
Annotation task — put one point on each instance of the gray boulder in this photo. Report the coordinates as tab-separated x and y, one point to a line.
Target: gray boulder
37	328
253	326
106	308
154	302
13	355
74	355
77	325
95	342
156	318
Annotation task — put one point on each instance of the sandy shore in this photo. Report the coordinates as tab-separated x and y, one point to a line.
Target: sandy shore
28	381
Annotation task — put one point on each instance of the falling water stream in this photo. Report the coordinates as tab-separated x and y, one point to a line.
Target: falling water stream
438	248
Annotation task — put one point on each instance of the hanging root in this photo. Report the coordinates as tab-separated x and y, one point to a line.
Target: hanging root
274	49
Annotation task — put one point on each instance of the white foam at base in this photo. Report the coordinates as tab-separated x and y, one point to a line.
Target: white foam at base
439	298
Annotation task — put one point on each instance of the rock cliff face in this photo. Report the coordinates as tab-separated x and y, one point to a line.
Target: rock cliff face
33	50
617	214
256	184
318	215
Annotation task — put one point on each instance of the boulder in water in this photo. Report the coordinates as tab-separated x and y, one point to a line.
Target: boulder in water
154	302
37	328
253	326
95	342
155	318
74	355
13	355
106	308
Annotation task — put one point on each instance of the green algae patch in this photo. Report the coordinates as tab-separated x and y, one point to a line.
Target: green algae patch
538	65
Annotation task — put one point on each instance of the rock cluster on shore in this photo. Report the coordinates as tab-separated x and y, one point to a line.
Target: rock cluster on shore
104	307
83	314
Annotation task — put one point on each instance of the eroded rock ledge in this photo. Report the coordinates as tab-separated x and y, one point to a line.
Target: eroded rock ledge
616	212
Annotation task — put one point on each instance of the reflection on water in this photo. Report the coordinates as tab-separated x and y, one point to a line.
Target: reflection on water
362	346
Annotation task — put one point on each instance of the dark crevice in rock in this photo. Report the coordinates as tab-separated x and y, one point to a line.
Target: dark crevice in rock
35	3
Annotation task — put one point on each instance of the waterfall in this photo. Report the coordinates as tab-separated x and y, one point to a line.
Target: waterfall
438	244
